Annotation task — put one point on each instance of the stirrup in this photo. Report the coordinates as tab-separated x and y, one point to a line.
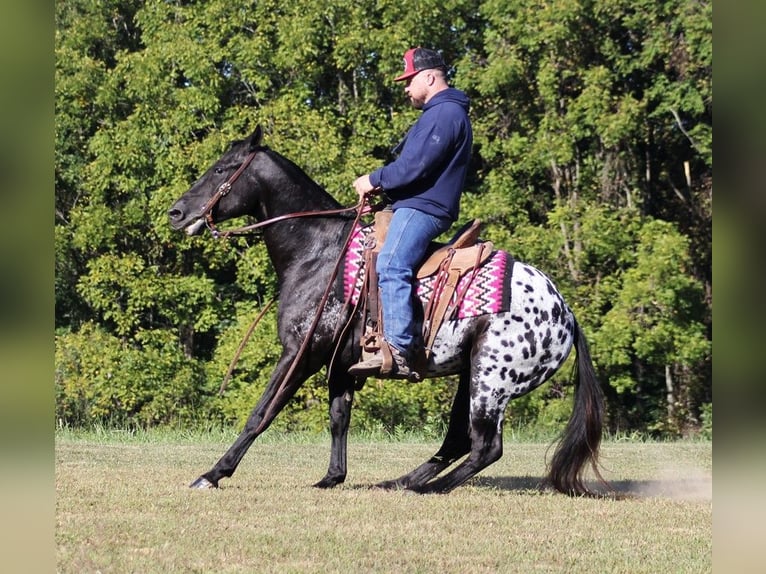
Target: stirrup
387	362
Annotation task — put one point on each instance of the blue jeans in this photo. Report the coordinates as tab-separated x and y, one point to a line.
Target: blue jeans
409	234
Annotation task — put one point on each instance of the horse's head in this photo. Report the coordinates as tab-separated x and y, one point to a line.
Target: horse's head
220	193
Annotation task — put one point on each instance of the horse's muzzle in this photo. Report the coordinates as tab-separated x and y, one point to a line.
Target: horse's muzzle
180	220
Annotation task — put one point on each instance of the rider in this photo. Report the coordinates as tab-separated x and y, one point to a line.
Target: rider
424	184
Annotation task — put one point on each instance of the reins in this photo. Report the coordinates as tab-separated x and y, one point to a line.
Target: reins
360	211
241	347
248	228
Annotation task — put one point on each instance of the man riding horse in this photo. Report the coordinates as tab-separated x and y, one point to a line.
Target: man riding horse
424	185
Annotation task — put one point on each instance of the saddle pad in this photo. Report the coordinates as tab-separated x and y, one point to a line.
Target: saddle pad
489	292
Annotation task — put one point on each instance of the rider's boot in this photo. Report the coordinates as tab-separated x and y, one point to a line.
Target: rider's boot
397	367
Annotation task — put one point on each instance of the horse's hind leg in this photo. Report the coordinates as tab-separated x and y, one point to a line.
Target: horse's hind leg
457	443
486	447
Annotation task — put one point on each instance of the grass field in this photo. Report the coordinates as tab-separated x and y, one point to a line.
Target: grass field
122	505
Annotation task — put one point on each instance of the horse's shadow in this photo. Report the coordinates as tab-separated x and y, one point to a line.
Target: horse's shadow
510	483
697	488
521	484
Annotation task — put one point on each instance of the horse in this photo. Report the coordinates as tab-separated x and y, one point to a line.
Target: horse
497	357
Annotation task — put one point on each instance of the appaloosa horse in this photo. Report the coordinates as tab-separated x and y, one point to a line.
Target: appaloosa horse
498	356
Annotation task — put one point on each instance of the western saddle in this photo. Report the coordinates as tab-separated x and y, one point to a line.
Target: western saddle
448	262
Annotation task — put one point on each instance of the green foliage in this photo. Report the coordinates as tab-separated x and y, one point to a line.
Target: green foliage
592	160
653	315
653	329
130	295
102	379
706	415
393	405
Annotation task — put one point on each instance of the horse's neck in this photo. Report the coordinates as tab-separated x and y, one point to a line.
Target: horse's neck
303	249
291	189
302	242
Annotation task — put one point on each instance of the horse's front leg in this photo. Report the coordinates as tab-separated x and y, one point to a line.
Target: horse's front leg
261	417
341	389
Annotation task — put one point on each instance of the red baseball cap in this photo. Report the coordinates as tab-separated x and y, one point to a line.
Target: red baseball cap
417	59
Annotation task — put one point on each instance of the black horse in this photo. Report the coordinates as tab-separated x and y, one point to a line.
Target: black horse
497	356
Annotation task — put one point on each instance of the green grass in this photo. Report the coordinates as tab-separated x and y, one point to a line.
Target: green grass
123	505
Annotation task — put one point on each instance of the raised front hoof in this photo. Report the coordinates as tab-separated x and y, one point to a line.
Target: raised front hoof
202	483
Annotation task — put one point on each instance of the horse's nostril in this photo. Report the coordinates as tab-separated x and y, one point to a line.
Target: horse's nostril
175	214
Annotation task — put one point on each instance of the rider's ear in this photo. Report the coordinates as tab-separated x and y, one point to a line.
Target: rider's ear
255	138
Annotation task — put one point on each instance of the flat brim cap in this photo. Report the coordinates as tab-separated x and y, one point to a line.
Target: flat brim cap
418	59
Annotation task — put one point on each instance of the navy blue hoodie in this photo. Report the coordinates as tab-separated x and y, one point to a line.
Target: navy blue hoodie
429	174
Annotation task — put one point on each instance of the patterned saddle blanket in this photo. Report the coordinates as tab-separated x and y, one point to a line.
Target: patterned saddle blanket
488	292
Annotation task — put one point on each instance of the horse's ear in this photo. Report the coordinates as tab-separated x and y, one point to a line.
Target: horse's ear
255	138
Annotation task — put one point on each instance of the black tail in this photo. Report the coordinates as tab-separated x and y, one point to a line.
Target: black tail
581	439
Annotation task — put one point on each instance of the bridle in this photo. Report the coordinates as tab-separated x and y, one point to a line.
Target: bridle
225	188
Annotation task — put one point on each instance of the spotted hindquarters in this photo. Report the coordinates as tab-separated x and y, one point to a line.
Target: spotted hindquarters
521	349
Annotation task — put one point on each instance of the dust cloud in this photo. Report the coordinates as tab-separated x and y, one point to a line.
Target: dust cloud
680	483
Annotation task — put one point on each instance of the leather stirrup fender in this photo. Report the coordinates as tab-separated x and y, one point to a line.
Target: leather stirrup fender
388	360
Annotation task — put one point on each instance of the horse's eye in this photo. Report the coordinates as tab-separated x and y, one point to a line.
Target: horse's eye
219	170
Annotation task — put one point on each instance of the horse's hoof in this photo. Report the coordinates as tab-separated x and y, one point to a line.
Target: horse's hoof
328	482
202	483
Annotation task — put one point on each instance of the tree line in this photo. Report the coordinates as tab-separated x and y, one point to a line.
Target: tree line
592	160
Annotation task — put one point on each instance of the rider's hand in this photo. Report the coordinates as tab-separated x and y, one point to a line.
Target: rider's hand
363	186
